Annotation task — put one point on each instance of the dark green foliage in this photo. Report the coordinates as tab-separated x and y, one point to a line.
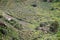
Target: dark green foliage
51	26
45	0
54	26
3	31
52	9
43	24
34	5
1	16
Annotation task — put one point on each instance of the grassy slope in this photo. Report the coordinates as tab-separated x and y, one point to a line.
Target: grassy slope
32	15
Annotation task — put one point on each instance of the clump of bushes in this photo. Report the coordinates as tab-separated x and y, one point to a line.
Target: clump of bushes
3	29
48	27
34	5
54	26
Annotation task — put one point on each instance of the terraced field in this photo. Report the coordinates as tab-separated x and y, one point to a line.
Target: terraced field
29	20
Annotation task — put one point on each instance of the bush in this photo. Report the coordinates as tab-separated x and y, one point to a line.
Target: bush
54	26
1	16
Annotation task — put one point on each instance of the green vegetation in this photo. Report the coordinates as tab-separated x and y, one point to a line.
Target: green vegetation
29	19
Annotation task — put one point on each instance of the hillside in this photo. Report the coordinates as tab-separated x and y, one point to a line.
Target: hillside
29	20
